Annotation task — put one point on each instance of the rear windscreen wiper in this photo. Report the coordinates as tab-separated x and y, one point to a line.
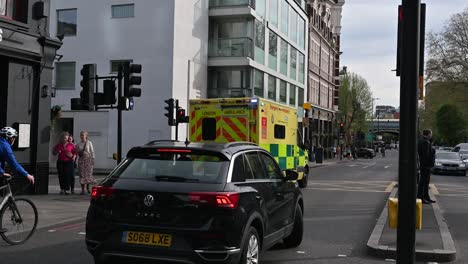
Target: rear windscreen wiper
174	179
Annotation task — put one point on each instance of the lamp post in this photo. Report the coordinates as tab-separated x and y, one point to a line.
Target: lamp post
373	128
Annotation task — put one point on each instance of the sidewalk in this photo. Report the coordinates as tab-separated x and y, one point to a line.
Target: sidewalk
433	242
328	162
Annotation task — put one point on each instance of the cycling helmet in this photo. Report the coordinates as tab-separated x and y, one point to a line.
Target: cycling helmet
8	132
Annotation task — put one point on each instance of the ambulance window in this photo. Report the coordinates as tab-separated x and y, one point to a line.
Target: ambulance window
280	131
209	129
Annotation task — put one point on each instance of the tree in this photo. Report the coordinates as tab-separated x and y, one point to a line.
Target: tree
450	124
447	50
355	104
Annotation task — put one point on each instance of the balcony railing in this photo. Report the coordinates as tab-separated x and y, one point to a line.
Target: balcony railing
233	47
224	3
230	92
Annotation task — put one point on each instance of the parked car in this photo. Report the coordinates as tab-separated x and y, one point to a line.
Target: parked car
194	203
450	163
464	156
365	153
461	146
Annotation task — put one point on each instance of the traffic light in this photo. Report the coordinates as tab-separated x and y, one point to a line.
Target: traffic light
180	116
170	111
88	73
130	79
109	92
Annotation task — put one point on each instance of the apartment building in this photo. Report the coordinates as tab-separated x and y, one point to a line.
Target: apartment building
187	49
323	74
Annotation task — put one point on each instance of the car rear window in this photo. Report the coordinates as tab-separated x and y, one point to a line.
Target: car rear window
448	155
174	166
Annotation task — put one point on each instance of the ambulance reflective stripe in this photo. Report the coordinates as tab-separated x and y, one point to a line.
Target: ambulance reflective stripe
253	131
234	128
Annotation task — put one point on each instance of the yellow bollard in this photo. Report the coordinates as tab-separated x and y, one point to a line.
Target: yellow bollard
393	213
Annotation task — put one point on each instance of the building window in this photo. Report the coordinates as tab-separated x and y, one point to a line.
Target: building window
258	83
284	57
114	64
293	25
293	64
301	31
280	132
300	96
259	42
14	9
301	61
229	82
123	11
209	128
284	16
283	87
260	7
292	95
271	87
66	22
274	12
273	51
65	75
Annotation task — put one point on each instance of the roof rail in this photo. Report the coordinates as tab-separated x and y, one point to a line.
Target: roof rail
239	143
161	141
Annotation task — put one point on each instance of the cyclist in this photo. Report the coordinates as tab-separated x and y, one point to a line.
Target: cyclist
7	139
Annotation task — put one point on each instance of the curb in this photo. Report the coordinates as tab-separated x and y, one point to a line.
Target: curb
448	253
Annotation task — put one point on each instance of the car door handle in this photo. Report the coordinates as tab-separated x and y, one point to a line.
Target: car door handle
259	198
278	194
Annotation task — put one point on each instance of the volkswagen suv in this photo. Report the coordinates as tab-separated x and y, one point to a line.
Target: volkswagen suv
188	202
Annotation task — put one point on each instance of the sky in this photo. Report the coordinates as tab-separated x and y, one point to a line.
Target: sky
369	37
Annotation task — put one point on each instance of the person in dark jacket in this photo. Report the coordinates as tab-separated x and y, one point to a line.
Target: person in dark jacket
426	161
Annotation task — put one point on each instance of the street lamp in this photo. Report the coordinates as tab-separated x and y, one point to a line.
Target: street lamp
378	125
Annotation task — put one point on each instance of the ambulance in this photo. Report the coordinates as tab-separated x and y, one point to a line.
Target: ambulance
270	125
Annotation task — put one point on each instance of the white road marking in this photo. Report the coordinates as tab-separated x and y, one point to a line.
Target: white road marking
51	231
352	165
390	260
82	233
370	165
390	187
342	256
300	252
434	189
386	167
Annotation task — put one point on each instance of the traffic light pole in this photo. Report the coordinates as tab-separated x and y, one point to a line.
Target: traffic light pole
406	231
119	116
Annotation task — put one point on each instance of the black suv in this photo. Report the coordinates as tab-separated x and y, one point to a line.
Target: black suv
194	203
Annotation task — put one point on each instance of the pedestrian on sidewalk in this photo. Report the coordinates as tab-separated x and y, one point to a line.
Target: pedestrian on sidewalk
426	155
334	151
86	155
65	154
71	180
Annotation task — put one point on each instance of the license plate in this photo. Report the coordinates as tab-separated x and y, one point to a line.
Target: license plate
144	238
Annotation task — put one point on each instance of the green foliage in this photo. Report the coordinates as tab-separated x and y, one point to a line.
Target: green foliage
355	104
450	124
439	94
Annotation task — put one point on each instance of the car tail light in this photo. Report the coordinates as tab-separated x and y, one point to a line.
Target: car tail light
174	150
101	191
218	199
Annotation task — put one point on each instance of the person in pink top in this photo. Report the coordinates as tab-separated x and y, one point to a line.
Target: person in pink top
66	154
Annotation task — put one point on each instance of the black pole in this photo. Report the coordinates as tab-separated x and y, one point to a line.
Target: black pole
176	121
406	231
119	116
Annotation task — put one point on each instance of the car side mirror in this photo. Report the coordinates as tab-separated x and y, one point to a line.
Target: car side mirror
291	175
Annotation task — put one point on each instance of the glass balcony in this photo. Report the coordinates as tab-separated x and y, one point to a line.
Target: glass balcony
231	92
233	47
223	3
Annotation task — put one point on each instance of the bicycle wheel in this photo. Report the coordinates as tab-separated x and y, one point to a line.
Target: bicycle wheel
20	220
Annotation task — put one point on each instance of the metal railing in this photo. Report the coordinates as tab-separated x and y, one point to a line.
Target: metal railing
224	3
231	92
232	47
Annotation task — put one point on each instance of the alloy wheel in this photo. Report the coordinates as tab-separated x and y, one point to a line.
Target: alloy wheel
252	250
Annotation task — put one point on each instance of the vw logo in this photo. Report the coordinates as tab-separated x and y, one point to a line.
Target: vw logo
149	200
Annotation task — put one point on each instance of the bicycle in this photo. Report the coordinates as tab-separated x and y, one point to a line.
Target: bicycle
18	216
